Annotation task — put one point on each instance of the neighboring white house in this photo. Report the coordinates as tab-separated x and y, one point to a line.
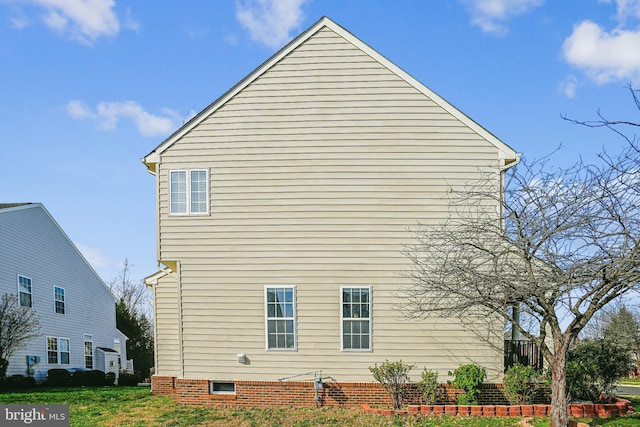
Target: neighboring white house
283	210
40	264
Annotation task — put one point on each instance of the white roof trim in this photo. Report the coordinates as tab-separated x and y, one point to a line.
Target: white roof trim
506	152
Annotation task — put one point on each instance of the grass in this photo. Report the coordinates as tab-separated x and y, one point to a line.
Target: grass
135	406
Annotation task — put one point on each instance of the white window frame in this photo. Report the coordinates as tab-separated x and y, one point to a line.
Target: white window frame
188	191
88	338
224	384
343	319
117	346
20	291
55	301
58	350
293	318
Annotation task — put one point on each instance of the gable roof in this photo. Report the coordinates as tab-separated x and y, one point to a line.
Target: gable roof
10	207
506	152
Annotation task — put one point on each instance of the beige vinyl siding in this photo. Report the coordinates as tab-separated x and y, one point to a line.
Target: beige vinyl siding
167	326
317	171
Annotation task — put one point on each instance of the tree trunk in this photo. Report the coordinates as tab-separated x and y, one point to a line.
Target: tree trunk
559	416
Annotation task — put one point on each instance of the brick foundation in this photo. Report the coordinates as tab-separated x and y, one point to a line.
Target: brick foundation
299	393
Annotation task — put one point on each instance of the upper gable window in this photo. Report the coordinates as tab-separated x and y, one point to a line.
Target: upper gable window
188	192
24	291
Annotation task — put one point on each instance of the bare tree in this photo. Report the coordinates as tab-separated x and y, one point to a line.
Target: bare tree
18	325
134	294
559	245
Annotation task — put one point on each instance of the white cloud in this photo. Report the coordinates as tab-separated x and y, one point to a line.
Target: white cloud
19	20
96	257
130	23
568	86
107	114
82	20
604	56
270	21
492	15
626	9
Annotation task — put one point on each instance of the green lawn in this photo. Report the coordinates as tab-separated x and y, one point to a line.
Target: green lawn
135	406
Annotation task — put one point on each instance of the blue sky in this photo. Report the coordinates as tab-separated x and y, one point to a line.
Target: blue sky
88	87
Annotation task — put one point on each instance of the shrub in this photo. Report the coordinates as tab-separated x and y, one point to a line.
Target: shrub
110	378
79	378
428	386
468	377
593	368
520	384
96	378
58	378
127	379
17	382
393	376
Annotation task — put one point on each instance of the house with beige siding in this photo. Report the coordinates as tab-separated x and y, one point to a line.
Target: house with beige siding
282	212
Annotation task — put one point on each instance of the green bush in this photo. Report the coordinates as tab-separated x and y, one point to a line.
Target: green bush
58	378
520	384
428	386
468	377
127	379
393	376
17	382
110	378
593	368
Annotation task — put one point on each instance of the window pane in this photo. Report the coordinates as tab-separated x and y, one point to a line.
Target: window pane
64	344
25	284
64	358
59	307
178	191
52	343
198	191
356	310
24	291
25	299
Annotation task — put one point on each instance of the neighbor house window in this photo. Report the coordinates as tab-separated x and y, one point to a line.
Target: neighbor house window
356	318
57	351
118	348
58	298
188	192
281	312
88	351
24	291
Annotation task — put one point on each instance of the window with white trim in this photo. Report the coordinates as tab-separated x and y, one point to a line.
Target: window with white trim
24	291
281	317
188	192
58	299
356	318
58	351
88	351
118	348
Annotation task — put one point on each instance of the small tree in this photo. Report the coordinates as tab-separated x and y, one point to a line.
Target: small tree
393	376
428	386
140	343
468	377
520	384
18	325
593	369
